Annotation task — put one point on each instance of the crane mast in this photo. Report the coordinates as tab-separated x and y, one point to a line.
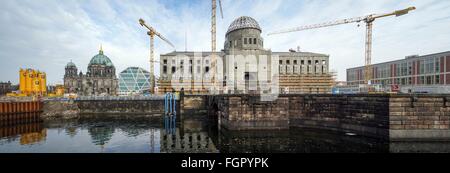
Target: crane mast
369	19
213	41
152	32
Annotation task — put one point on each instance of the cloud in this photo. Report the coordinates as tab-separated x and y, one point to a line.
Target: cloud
46	34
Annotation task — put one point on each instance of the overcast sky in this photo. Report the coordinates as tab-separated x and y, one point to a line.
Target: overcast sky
46	34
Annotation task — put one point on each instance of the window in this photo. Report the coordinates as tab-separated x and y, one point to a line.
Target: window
165	69
295	62
437	79
206	69
190	61
182	62
281	62
302	62
288	62
198	61
190	69
429	80
174	69
245	40
324	62
249	41
173	61
317	62
198	69
207	61
165	61
309	62
254	40
437	69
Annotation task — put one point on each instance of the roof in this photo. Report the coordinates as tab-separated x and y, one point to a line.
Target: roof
243	22
101	59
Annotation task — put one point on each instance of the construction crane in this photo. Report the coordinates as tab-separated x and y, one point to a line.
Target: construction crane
152	32
213	39
369	19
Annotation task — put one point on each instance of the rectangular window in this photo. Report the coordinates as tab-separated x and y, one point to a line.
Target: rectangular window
254	40
288	62
295	62
198	69
165	61
165	69
281	62
309	62
437	66
181	62
198	61
174	69
245	40
317	62
249	41
302	62
206	69
207	61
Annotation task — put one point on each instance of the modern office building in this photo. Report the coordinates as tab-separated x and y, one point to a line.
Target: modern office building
428	73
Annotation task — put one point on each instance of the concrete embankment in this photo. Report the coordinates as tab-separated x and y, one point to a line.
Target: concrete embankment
60	110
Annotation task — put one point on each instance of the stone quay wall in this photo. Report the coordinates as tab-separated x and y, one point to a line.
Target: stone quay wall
420	116
388	116
121	106
366	115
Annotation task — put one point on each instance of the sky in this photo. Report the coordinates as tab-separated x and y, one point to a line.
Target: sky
47	34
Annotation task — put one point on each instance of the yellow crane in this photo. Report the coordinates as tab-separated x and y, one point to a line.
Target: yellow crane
152	32
369	19
213	39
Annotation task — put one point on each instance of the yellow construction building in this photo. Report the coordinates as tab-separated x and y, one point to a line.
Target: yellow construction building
32	83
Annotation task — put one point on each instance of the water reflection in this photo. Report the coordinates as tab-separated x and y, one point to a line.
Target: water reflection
26	133
193	134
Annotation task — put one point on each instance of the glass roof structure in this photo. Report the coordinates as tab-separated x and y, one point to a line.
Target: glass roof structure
133	80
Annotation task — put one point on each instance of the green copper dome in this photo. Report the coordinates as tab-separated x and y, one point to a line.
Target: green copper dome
101	59
71	64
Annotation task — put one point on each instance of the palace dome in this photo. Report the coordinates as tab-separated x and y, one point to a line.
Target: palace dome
243	22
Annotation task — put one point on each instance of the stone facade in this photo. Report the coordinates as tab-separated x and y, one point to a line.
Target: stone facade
5	87
100	78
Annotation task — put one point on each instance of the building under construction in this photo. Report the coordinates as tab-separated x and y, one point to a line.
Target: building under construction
32	82
246	66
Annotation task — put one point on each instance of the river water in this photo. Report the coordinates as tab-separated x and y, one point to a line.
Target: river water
193	135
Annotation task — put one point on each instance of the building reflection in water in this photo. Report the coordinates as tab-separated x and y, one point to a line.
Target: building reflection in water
101	134
28	133
190	137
